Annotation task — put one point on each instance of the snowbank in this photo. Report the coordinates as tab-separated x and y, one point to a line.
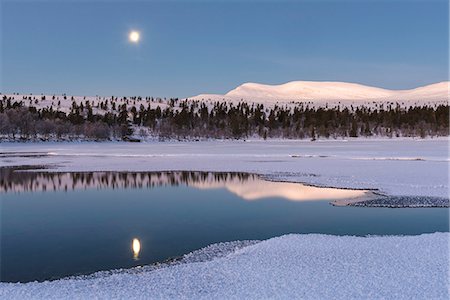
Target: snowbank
291	266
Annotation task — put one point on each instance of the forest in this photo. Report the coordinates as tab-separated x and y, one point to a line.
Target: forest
194	119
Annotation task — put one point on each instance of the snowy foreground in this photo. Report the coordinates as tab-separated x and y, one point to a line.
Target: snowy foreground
291	266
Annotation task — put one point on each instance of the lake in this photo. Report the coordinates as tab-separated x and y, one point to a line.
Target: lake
55	225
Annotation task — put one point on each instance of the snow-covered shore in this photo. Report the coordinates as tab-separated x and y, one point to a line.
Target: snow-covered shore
291	266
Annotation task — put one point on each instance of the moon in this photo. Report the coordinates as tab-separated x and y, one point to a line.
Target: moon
134	36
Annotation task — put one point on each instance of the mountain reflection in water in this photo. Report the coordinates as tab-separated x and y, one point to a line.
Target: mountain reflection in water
245	185
75	223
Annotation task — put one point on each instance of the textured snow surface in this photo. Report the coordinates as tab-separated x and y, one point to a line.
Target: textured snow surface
394	167
292	266
404	201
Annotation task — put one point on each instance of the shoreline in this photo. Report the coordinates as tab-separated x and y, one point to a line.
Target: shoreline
282	261
157	139
369	195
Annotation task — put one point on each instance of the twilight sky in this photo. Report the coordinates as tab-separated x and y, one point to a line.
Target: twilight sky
193	47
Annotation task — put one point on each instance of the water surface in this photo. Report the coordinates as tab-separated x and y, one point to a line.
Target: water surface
60	224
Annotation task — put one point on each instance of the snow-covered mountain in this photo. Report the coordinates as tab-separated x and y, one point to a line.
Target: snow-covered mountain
329	91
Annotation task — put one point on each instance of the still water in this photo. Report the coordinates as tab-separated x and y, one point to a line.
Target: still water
60	224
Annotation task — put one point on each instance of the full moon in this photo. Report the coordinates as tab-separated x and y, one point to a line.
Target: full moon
134	36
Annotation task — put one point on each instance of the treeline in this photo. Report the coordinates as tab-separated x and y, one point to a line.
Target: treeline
195	119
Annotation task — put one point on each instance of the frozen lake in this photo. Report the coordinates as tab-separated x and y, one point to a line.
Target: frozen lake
403	167
60	224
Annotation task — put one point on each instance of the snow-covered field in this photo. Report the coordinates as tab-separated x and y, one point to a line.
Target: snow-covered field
288	267
292	266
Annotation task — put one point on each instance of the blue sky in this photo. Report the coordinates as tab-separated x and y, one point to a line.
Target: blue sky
187	47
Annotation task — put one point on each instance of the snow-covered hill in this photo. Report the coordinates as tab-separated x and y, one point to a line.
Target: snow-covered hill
315	93
331	92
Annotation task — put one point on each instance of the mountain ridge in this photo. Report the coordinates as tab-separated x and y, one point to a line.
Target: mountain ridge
328	91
